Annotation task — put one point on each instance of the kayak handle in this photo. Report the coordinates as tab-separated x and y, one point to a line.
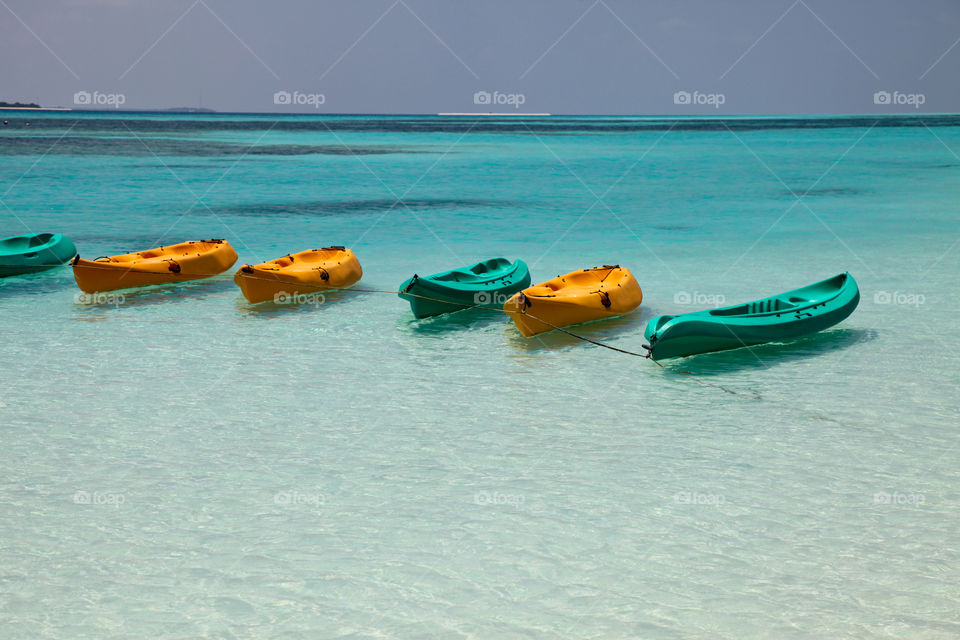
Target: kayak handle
413	281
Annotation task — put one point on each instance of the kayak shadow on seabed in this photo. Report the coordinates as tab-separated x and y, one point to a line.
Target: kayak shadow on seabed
104	301
299	303
470	318
765	356
33	284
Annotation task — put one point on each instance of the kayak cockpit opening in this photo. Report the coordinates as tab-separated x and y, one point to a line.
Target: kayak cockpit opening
662	320
21	243
769	305
489	266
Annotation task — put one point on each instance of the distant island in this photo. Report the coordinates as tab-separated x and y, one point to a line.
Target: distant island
189	110
19	105
148	110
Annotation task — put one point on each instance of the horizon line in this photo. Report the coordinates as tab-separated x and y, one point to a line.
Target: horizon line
205	111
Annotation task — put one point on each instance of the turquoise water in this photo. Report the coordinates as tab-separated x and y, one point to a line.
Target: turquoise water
178	463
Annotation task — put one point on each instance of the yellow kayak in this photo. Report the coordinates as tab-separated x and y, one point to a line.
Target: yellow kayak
176	263
579	296
299	274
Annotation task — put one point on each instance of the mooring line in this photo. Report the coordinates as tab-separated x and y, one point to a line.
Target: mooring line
646	356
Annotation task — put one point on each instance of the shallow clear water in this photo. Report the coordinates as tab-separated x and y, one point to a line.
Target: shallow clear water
178	463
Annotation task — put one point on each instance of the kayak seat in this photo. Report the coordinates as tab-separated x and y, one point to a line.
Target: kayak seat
453	276
17	243
662	320
770	305
732	311
779	305
491	265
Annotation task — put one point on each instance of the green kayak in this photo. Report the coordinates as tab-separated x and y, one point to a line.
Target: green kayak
781	317
34	252
488	284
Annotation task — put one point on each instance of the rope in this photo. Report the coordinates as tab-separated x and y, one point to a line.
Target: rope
646	356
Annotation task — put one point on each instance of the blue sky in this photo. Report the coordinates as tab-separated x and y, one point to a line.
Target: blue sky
428	56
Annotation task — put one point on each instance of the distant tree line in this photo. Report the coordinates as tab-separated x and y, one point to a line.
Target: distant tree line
20	105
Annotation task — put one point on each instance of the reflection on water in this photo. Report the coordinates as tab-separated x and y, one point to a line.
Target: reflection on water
32	284
91	306
474	318
765	356
305	303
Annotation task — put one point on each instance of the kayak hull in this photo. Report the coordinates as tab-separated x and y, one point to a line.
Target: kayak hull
298	274
579	296
34	252
486	284
782	317
182	262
